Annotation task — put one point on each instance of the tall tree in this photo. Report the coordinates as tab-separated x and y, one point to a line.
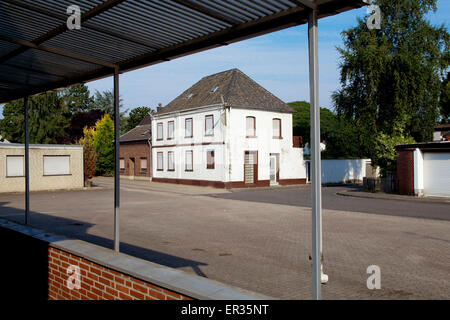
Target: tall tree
391	77
48	119
444	102
103	140
136	115
77	98
89	154
104	101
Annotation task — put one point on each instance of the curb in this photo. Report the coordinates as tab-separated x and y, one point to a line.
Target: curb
384	196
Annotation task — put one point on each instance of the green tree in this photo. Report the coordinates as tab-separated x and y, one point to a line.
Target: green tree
103	140
77	98
301	120
89	154
391	78
104	101
48	119
444	101
136	115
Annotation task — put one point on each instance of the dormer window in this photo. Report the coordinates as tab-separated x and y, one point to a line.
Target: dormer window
214	89
189	95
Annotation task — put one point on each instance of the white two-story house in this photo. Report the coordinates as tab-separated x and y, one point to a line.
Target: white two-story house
226	131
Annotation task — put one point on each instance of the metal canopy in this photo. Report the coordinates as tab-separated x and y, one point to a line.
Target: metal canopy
39	53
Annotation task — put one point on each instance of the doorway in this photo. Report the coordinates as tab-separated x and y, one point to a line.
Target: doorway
250	167
274	168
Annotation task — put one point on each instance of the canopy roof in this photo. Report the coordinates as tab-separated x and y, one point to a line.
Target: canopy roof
39	53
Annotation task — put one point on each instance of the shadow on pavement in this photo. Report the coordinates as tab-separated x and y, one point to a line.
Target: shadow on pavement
78	229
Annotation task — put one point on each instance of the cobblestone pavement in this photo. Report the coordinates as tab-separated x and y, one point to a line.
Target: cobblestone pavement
258	246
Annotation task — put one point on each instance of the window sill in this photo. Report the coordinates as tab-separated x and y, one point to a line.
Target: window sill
277	138
186	170
171	170
251	136
56	175
159	169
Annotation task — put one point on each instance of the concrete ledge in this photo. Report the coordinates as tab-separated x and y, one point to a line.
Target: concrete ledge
176	280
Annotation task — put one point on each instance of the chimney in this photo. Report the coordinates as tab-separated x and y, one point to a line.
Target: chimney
159	107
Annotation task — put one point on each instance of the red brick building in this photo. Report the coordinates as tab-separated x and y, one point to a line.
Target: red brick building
135	152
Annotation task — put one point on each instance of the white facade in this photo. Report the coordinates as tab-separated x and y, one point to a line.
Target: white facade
229	143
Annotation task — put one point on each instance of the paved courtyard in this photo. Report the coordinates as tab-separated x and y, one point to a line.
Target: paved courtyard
260	240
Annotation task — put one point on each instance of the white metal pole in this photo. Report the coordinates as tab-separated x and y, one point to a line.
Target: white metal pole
315	154
27	162
116	162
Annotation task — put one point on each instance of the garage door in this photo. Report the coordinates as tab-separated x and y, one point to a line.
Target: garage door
436	174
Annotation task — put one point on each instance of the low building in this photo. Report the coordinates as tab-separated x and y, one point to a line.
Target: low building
52	167
441	132
135	151
424	168
226	131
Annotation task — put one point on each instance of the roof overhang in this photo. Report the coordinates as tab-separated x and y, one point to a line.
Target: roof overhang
425	146
39	53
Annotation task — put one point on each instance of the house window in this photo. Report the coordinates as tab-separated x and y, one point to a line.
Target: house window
159	134
122	164
170	161
189	161
159	165
143	164
170	129
15	166
250	127
209	125
276	127
210	159
56	165
188	128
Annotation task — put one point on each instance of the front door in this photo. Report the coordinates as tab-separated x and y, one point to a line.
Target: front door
132	168
273	169
250	167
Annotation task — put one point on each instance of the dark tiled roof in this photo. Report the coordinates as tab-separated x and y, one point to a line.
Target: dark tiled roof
234	87
147	120
143	131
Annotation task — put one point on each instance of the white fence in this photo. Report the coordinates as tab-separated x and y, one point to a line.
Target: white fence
345	170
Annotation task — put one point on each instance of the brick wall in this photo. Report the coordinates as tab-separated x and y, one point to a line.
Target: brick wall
405	171
99	282
136	150
36	264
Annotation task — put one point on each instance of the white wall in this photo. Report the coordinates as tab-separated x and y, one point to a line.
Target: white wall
199	144
229	144
418	172
336	171
291	159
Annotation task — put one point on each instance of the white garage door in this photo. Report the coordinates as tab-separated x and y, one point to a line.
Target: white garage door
436	174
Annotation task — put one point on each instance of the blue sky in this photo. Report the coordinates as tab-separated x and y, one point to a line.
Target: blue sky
278	61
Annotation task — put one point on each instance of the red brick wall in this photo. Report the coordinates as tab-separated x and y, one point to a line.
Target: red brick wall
405	171
136	150
99	282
